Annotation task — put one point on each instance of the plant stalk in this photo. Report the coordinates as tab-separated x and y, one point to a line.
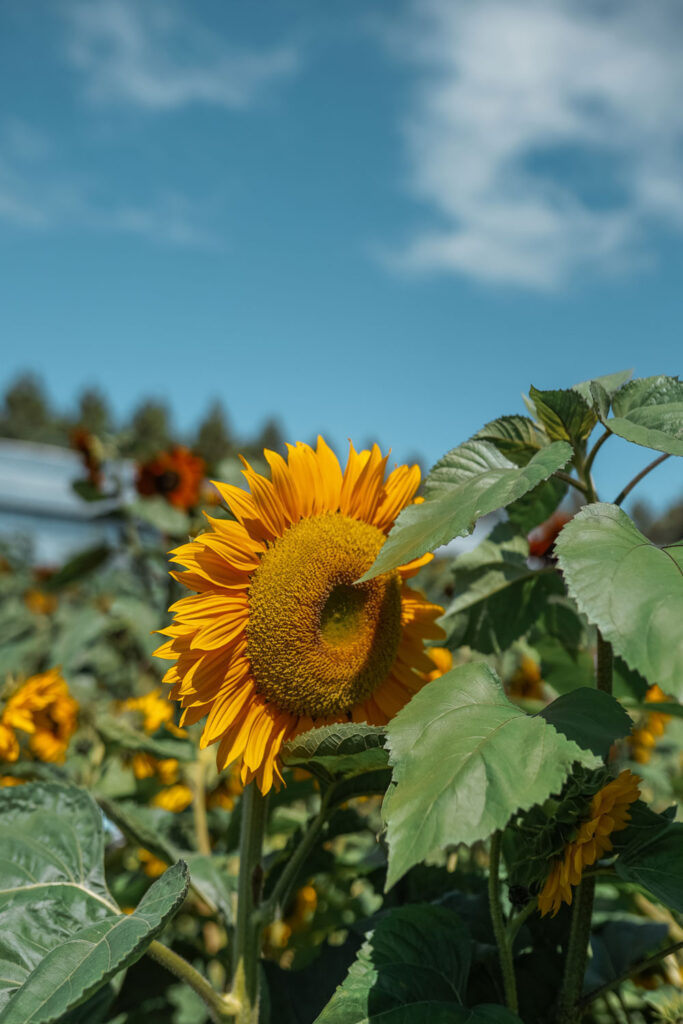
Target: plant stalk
638	477
247	940
588	465
642	965
496	910
568	1010
221	1008
201	826
282	887
604	664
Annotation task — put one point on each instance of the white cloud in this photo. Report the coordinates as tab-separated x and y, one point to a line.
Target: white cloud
36	196
150	54
509	95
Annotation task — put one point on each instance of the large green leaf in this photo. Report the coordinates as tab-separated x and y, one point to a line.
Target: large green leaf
630	589
516	437
657	865
566	415
465	760
474	479
61	935
610	383
647	411
496	596
413	967
591	718
345	749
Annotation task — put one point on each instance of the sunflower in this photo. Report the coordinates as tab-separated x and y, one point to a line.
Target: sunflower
643	740
608	813
43	708
279	637
176	475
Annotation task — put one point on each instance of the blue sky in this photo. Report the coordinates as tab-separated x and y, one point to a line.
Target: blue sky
379	221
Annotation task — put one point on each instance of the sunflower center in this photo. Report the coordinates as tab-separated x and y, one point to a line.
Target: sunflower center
318	643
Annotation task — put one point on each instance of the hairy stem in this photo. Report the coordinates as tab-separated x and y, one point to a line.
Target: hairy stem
604	661
496	910
638	477
201	827
221	1008
588	465
572	481
642	965
568	1011
282	887
247	941
515	923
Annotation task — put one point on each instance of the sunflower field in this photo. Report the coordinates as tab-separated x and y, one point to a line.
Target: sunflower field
302	770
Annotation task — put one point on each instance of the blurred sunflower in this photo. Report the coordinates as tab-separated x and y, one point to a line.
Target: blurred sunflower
280	638
176	475
175	798
643	739
608	813
155	710
43	708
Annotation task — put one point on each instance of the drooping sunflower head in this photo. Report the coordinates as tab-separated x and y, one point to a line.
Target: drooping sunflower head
279	637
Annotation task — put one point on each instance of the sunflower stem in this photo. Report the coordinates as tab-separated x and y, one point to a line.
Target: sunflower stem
283	886
248	926
496	910
568	1009
201	826
603	668
221	1008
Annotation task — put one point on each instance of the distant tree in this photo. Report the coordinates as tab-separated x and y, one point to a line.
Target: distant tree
150	430
26	414
214	440
93	412
664	529
270	436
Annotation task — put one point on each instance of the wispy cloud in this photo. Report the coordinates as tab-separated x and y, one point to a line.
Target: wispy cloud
37	197
153	55
544	139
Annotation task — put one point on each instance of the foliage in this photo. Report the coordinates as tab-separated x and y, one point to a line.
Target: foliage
398	874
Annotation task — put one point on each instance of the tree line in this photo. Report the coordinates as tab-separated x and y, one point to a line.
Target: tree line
27	414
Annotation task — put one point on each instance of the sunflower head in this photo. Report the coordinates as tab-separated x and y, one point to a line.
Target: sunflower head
43	708
279	636
176	475
607	813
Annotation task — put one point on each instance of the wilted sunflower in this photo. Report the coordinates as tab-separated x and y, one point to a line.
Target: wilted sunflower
608	813
280	638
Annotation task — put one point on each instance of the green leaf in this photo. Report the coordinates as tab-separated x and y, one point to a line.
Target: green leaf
537	505
647	411
119	734
497	597
61	935
72	971
610	383
657	865
79	566
566	415
474	479
163	517
516	437
346	749
465	760
630	589
589	717
413	967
